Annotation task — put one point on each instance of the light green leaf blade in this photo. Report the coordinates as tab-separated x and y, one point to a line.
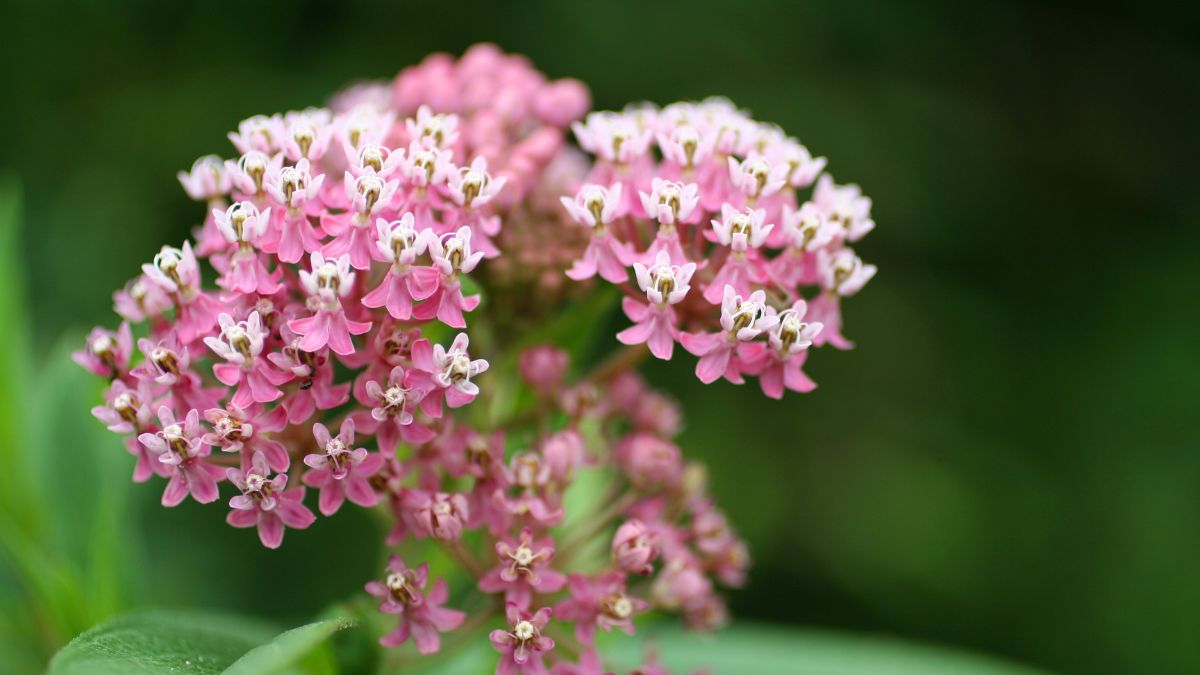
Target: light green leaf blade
285	650
160	642
747	649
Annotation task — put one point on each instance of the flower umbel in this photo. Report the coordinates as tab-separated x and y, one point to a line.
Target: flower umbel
409	267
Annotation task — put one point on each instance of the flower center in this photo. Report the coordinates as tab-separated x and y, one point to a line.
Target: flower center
255	482
472	185
372	156
523	556
126	405
524	631
618	606
459	368
369	188
329	277
664	281
254	164
167	261
747	314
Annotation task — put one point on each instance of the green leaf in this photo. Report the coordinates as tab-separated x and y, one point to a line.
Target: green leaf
748	649
159	642
286	649
197	643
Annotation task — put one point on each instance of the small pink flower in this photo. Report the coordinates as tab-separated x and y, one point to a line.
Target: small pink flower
140	299
326	282
426	165
166	364
181	449
295	193
447	373
432	130
844	205
841	274
266	502
341	472
421	616
779	364
471	187
597	207
634	548
249	172
107	353
523	569
452	256
352	230
372	158
654	323
743	232
614	137
391	412
306	134
530	475
244	271
521	647
594	205
805	231
177	272
241	345
314	371
803	168
756	177
259	132
440	515
235	430
671	202
399	244
207	180
128	411
741	321
599	603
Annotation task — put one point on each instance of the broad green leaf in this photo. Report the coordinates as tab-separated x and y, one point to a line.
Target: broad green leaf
748	649
160	642
285	650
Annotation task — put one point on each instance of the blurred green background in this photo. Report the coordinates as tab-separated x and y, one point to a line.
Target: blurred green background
1008	462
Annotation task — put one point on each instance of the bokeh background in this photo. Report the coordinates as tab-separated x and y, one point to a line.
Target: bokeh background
1008	462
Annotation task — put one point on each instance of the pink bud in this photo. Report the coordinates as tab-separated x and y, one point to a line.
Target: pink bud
543	367
649	461
634	547
562	102
563	453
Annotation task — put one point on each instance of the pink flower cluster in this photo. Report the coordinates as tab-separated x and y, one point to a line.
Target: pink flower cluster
349	249
700	194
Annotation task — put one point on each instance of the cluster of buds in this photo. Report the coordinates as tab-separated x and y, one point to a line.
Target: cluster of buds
350	246
700	194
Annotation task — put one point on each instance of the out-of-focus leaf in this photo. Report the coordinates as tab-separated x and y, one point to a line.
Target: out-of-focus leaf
747	649
14	350
289	647
160	642
574	330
